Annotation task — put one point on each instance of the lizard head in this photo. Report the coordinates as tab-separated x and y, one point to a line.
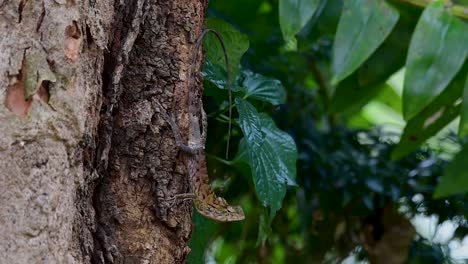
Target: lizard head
220	211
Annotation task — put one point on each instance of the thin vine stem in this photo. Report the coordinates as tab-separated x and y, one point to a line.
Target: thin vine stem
228	84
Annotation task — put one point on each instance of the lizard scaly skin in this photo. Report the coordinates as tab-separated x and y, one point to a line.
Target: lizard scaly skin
206	201
204	198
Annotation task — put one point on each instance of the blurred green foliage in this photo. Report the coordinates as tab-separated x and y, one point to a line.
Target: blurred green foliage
321	181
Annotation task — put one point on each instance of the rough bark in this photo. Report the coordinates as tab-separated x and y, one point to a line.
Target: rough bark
86	162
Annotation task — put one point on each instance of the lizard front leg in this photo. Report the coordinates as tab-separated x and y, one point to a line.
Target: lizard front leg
192	148
205	200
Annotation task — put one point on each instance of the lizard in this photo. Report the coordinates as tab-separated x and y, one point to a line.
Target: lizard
207	203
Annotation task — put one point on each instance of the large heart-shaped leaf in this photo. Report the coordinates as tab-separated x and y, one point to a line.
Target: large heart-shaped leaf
270	152
262	88
216	74
249	122
235	42
363	26
437	51
269	190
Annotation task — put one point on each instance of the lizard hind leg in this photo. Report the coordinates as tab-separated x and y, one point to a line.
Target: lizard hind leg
181	197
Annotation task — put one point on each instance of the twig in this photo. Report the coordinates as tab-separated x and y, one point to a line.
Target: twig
457	10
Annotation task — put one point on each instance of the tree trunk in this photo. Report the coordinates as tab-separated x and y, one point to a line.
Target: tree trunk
87	164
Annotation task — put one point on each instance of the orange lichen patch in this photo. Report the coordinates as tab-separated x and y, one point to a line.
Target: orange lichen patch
32	83
15	100
72	42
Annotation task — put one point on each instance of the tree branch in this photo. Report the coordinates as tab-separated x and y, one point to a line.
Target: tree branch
457	10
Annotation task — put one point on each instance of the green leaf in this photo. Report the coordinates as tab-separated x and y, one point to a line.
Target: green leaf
249	122
293	16
437	51
389	97
327	21
384	109
433	117
391	54
235	42
422	127
253	85
380	114
215	80
363	26
271	154
350	94
360	87
262	88
269	190
214	73
455	179
463	128
203	233
283	149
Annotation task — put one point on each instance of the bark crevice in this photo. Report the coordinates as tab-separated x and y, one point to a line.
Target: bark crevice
137	158
76	194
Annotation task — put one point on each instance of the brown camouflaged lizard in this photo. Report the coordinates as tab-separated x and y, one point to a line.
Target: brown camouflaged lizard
205	200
